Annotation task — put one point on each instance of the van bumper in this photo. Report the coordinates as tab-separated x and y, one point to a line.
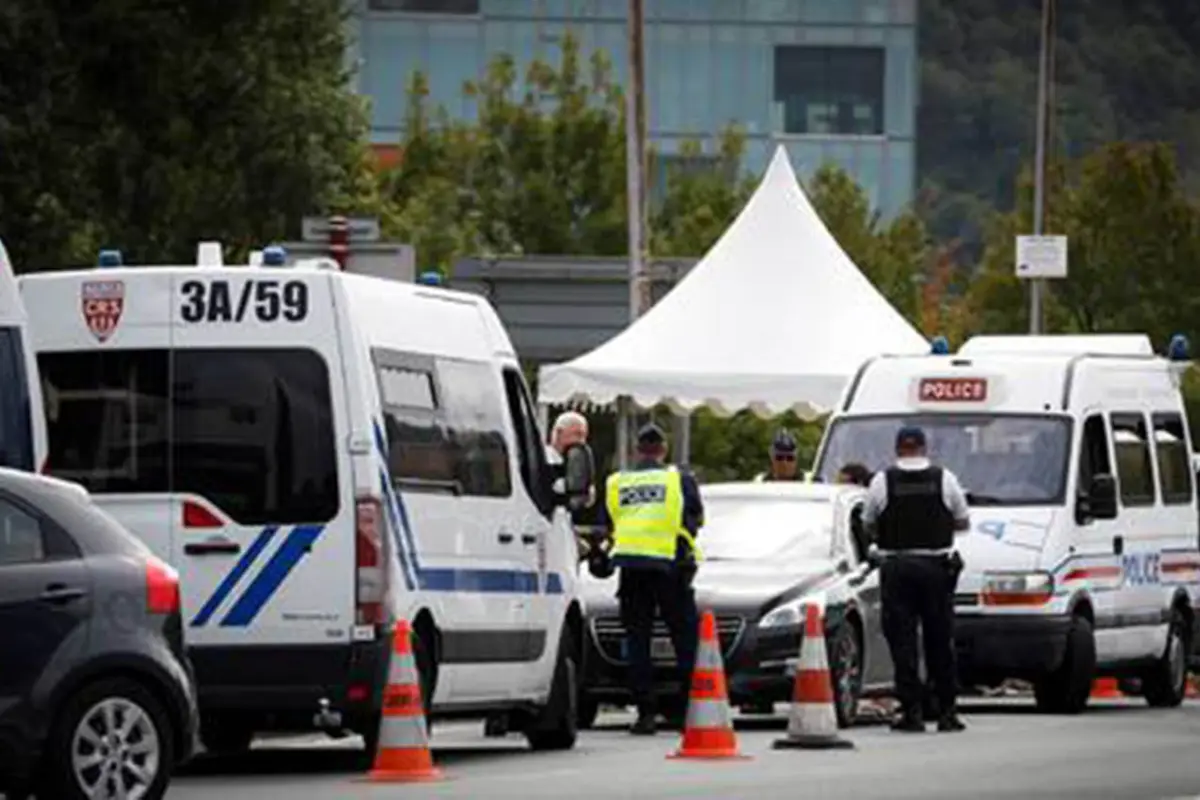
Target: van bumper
993	648
280	688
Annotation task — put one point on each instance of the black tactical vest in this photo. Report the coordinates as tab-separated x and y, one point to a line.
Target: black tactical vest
916	516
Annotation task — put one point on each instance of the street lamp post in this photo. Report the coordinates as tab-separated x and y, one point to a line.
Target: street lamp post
1037	285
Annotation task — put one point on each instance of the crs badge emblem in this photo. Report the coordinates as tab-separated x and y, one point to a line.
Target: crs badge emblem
103	302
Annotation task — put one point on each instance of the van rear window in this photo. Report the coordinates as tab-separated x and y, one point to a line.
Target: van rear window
16	424
251	431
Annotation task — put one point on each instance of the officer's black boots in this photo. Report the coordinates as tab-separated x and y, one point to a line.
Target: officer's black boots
950	723
907	722
645	725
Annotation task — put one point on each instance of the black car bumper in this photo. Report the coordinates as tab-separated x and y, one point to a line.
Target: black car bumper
1022	647
282	687
759	663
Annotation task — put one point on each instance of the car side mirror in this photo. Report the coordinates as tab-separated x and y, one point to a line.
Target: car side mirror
579	470
1100	502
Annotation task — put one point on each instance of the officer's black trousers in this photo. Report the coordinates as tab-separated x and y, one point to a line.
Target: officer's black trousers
642	592
920	589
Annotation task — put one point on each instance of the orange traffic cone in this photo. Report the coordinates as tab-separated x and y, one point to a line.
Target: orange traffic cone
403	755
1106	689
812	722
708	731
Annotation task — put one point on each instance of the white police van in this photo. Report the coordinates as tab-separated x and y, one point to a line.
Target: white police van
317	452
1083	557
22	427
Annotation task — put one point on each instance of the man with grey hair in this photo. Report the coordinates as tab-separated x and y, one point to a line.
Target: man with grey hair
570	428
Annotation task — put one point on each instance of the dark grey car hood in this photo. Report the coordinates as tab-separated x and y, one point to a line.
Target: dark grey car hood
740	585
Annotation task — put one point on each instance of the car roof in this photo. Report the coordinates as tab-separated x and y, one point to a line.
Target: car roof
40	489
781	490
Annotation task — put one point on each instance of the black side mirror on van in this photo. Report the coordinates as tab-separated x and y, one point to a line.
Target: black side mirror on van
579	470
1100	502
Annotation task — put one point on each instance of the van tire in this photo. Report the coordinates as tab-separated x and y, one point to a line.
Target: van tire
1164	685
1067	689
556	726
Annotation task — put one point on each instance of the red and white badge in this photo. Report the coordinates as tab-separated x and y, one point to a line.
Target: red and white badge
103	302
953	390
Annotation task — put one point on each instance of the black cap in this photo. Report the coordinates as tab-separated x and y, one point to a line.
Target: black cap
784	443
910	436
651	435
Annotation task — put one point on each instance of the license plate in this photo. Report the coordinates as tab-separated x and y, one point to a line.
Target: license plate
662	650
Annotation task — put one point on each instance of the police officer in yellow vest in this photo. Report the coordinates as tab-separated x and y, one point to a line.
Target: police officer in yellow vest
654	512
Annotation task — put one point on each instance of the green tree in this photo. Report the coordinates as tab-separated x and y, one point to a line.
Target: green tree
1133	243
150	126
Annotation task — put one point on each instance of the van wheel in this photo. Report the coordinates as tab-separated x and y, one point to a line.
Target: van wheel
1165	684
557	724
1066	690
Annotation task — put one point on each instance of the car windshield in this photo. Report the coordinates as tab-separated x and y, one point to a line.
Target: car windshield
760	529
999	459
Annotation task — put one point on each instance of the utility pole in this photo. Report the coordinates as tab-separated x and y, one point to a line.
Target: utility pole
635	161
1037	285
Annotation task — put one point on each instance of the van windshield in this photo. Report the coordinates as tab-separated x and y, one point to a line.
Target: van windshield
16	425
999	459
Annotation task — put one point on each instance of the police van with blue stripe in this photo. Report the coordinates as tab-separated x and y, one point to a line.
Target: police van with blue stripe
22	427
319	454
1083	556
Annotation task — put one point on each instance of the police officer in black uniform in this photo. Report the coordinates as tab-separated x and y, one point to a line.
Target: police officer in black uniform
913	510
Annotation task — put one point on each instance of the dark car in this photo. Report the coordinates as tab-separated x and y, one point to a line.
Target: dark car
768	548
96	698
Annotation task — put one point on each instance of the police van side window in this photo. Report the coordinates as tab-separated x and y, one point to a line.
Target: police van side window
1174	461
531	454
107	418
1131	446
253	433
443	423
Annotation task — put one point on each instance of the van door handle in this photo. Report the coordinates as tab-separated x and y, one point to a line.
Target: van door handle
214	547
505	537
1118	545
58	594
529	538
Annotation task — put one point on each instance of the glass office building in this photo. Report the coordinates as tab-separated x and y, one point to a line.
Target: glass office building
832	80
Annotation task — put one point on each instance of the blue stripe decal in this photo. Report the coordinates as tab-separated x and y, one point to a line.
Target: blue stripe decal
269	579
235	574
443	579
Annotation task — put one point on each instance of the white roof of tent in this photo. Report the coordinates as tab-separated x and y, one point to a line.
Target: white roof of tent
775	317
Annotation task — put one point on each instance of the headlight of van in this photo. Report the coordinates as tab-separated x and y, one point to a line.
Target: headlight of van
1017	588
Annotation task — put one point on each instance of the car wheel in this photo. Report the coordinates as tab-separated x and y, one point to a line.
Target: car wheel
1066	690
112	739
1165	684
556	727
589	709
845	670
225	736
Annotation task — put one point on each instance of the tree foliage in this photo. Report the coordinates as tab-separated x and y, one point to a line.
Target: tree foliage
150	126
1133	245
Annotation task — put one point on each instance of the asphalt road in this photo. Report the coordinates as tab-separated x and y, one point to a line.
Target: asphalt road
1118	749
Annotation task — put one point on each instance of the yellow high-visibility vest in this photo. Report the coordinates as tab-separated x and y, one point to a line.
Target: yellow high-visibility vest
646	509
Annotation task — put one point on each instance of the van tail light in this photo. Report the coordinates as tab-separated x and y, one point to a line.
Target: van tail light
370	562
197	516
162	587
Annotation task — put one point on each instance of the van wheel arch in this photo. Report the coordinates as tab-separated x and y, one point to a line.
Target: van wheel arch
574	623
1081	606
430	640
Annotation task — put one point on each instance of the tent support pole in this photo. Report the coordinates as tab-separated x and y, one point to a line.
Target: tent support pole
622	433
543	413
683	438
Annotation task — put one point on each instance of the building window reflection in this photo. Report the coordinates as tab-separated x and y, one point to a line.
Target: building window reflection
426	6
830	90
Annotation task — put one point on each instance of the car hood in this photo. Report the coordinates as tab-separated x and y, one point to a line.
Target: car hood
730	585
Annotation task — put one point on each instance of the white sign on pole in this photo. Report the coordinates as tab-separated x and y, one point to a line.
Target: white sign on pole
1041	256
359	229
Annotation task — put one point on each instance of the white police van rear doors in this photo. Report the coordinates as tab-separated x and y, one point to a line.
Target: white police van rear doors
22	425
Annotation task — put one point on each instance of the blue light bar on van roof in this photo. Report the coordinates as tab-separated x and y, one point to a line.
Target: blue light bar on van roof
1179	349
274	256
940	346
109	258
430	277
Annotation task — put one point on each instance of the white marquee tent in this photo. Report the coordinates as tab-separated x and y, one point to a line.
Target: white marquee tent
775	317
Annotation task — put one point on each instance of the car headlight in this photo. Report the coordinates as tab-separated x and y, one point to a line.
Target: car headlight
1017	588
782	617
